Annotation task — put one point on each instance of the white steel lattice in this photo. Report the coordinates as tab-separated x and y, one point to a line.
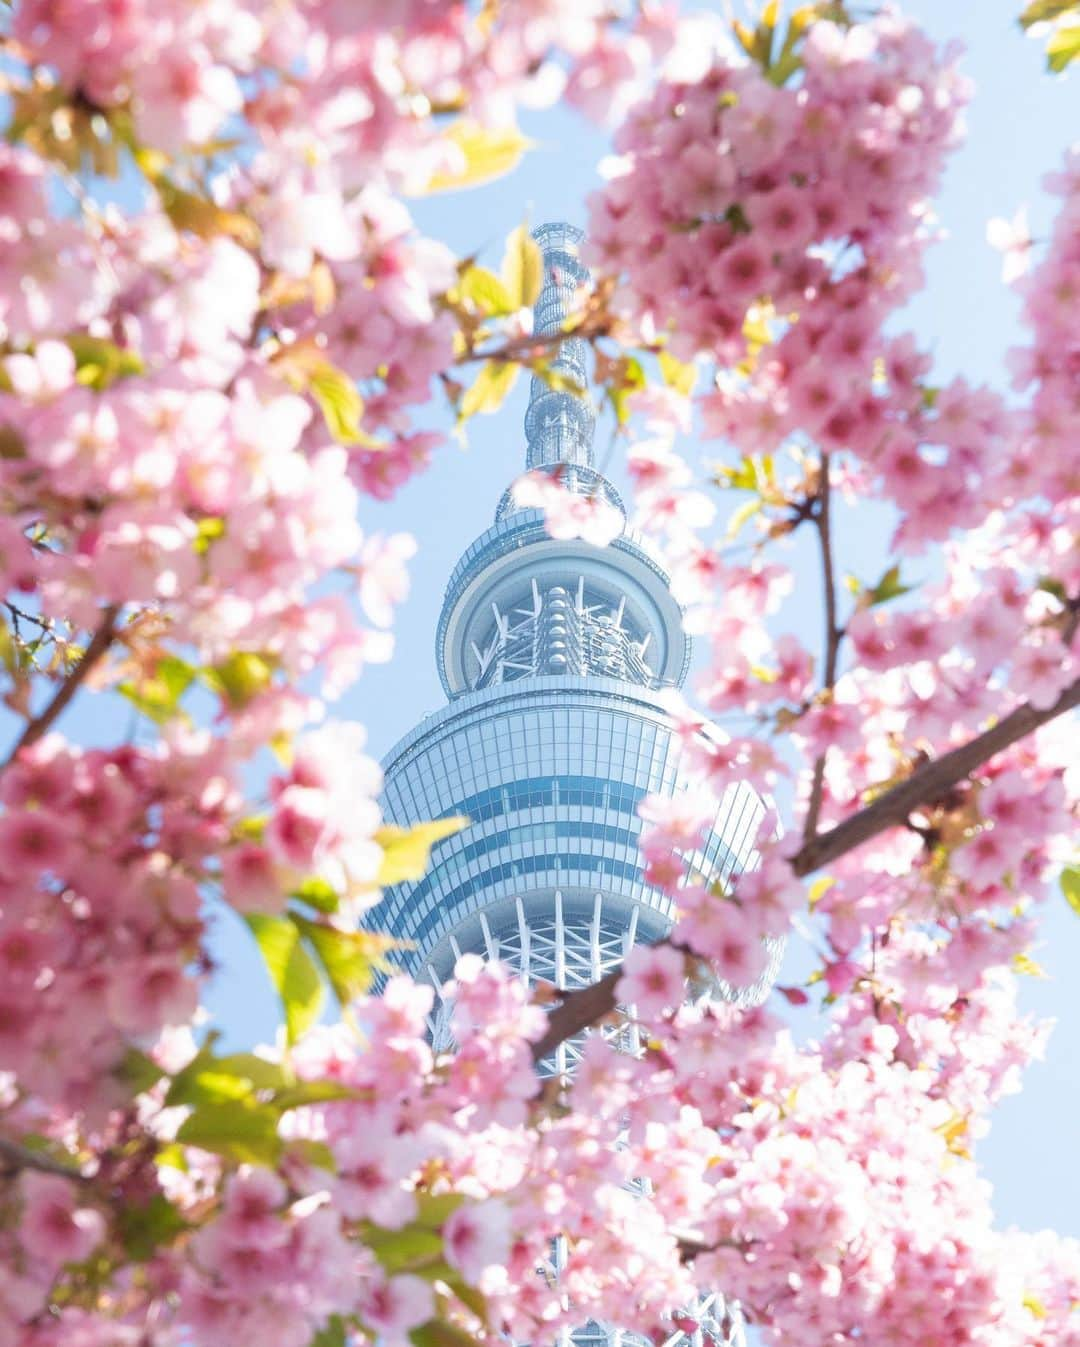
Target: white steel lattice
553	632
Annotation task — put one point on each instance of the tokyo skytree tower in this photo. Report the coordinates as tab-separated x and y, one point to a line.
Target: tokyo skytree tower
552	654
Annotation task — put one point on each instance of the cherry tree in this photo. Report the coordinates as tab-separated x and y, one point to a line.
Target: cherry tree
201	394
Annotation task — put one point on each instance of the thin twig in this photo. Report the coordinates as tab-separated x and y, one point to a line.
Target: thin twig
926	784
821	519
41	724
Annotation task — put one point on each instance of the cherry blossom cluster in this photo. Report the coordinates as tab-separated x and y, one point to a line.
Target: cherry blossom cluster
733	191
102	924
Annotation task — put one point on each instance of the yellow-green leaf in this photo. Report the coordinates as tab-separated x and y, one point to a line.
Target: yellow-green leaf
339	401
489	391
405	1250
678	374
1063	47
292	971
1027	967
236	1128
318	893
441	1333
888	587
523	268
743	515
483	289
1043	11
332	1334
208	1079
555	378
485	153
138	1071
240	678
349	959
199	215
819	888
158	694
208	530
98	362
406	851
146	1225
1034	1305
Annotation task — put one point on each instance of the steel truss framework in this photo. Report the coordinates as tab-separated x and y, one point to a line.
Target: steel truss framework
553	631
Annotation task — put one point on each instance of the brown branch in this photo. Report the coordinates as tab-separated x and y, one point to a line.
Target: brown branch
925	785
14	1157
99	644
821	519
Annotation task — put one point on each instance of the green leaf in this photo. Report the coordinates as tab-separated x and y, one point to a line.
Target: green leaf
486	154
888	587
484	289
523	268
406	851
405	1250
235	1128
469	1296
98	362
240	678
433	1209
305	1092
1070	886
312	1152
339	401
292	971
332	1334
157	696
138	1071
348	958
489	391
208	1079
145	1227
317	893
1049	585
1063	47
441	1333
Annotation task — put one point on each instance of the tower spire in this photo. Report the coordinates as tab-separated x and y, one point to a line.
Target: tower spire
559	424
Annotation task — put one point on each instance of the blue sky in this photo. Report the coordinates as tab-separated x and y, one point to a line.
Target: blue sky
1020	123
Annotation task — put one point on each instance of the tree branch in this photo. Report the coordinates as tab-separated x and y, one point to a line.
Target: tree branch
928	783
41	724
14	1157
832	638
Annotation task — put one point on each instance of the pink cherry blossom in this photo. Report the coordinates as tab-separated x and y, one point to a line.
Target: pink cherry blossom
653	980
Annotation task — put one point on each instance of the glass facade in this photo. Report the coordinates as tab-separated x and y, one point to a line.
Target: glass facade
554	655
